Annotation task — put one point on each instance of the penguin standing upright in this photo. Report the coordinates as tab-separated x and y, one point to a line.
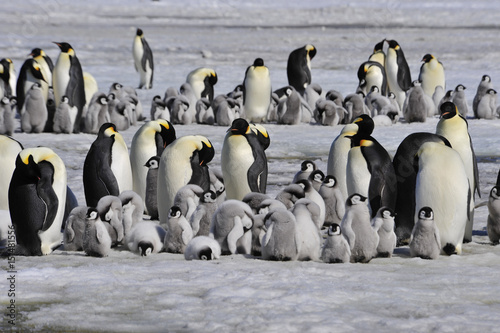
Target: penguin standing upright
336	249
9	149
37	198
45	63
257	91
7	78
143	60
431	74
453	126
487	106
106	170
96	240
151	199
243	159
425	241
149	140
493	222
67	79
34	113
397	71
280	241
482	89
378	54
31	72
458	98
182	162
298	69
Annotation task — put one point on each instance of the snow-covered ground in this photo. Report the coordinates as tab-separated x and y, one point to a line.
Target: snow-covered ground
68	291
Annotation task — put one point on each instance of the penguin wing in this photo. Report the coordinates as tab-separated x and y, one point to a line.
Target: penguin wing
235	234
257	173
70	233
196	217
187	234
268	235
76	89
47	193
404	75
476	169
339	205
49	63
99	234
147	55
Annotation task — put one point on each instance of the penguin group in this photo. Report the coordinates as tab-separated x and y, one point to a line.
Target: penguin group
158	193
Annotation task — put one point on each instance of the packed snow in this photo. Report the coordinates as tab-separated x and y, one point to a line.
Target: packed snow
68	291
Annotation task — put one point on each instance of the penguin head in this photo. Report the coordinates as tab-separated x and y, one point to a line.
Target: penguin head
5	101
317	176
64	99
393	44
416	83
491	91
103	100
36	86
258	62
167	132
448	110
428	57
330	181
107	130
13	100
153	162
365	124
356	199
37	52
239	127
387	213
146	248
305	184
206	153
379	47
495	192
111	97
65	47
334	230
374	89
311	51
92	214
308	166
139	32
175	212
116	86
36	70
486	78
208	196
206	254
426	213
460	87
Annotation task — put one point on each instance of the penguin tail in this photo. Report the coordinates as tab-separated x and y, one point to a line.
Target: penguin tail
450	249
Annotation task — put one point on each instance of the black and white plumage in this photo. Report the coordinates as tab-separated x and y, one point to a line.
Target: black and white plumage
459	99
280	241
306	168
64	117
482	89
425	239
316	178
46	64
383	223
202	248
431	74
7	78
257	91
31	72
146	238
187	199
143	60
96	240
487	106
336	249
372	74
202	80
75	229
298	68
310	193
179	231
397	71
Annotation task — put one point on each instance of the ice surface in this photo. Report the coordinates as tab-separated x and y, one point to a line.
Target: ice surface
124	292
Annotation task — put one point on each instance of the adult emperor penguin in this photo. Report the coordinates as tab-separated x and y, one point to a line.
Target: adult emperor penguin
143	60
7	78
431	74
67	79
397	71
106	170
298	69
149	140
425	241
202	81
482	89
243	160
182	162
37	197
45	63
336	249
371	73
257	91
378	54
406	168
493	222
445	189
9	149
280	241
454	127
31	72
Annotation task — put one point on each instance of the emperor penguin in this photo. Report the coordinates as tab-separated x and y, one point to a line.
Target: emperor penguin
96	240
482	89
406	168
327	113
232	227
397	71
316	178
111	214
202	216
458	98
202	81
431	74
425	241
31	72
453	126
336	249
383	223
149	140
91	88
146	238
417	105
202	248
280	241
182	162
143	60
75	229
334	201
46	64
259	227
97	113
179	232
187	199
355	106
307	232
290	108
67	79
378	54
9	149
290	194
132	209
370	74
310	193
151	198
447	190
356	226
65	116
298	69
37	197
257	91
306	168
34	112
7	78
106	170
204	112
243	159
7	115
493	222
487	106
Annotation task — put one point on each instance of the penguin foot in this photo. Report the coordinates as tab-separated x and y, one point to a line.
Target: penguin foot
450	249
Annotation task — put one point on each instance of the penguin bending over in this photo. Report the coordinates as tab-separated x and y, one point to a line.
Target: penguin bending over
280	241
146	238
202	248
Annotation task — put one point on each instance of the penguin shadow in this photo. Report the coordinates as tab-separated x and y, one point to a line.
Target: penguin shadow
403	252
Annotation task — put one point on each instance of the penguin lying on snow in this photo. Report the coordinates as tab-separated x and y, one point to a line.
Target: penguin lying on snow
202	248
146	238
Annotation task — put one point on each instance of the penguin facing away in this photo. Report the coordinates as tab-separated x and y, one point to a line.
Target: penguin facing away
280	240
143	60
397	71
257	91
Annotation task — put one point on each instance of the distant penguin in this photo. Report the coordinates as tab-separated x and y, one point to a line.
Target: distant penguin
257	91
493	222
243	159
7	78
336	249
447	190
259	228
482	89
97	113
383	223
119	114
226	111
67	79
308	235
132	209
64	117
149	140
370	74
356	226
327	113
179	231
34	112
157	107
406	168
202	216
183	162
298	68
151	199
306	168
378	54
31	72
231	227
425	241
280	241
37	197
204	112
9	149
397	71
146	238
75	229
458	98
202	81
202	248
487	106
96	240
143	60
334	201
111	214
431	74
454	127
106	170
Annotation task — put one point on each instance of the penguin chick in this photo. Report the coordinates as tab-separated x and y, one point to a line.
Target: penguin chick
487	106
254	200
316	178
383	223
96	240
306	167
493	222
132	209
336	249
64	117
75	229
307	232
152	187
188	198
34	113
259	228
7	115
179	231
202	248
334	201
110	211
290	194
482	89
202	216
145	238
313	195
458	98
425	241
280	241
